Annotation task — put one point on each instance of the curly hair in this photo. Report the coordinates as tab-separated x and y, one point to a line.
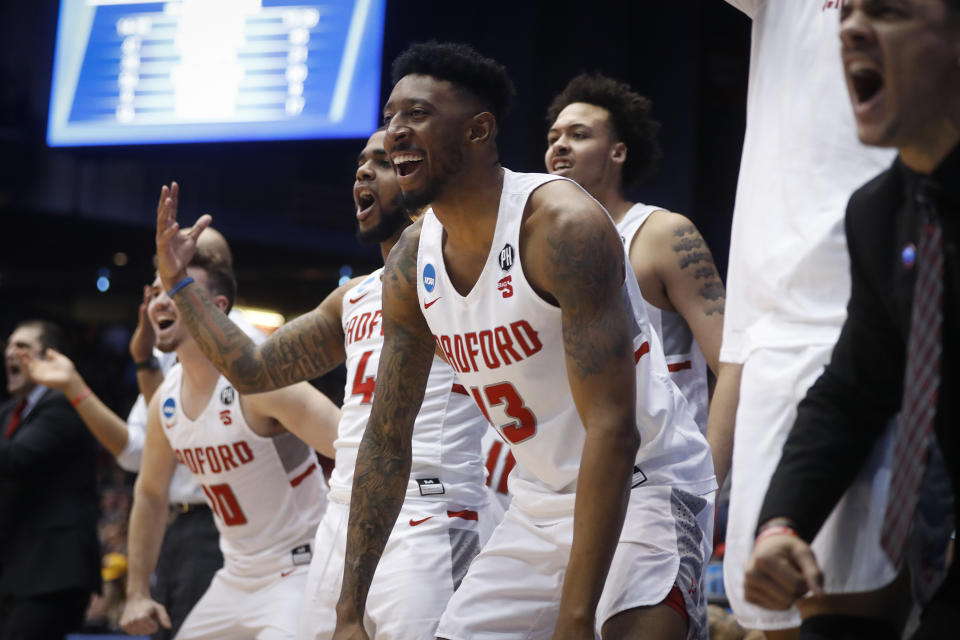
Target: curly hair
220	277
630	117
482	78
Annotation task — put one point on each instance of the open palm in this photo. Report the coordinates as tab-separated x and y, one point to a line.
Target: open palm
175	246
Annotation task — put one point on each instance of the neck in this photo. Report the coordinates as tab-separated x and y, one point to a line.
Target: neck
387	245
609	193
468	211
925	154
197	370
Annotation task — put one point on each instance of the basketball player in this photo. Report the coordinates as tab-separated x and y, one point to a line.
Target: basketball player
446	515
603	136
520	280
788	286
250	455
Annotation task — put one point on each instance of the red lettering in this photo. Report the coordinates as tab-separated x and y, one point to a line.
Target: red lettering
198	452
362	326
226	456
211	455
447	349
508	466
242	449
225	417
189	460
479	400
350	325
505	345
472	350
523	332
364	386
374	321
487	349
224	504
462	363
492	460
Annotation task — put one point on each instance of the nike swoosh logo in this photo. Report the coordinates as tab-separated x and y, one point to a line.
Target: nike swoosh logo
414	523
358	298
427	305
286	573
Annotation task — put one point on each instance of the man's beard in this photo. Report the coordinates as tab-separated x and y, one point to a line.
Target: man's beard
393	217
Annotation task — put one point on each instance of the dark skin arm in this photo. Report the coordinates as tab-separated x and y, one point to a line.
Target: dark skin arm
303	349
383	460
573	256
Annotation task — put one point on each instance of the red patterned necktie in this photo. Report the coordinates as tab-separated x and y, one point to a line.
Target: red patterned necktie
15	417
921	380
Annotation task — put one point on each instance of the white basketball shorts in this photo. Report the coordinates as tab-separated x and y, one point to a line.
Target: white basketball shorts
513	587
773	382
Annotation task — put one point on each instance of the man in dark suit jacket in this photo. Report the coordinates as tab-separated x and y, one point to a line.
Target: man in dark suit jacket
49	552
902	62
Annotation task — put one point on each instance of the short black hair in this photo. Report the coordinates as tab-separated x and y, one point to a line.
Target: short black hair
221	280
51	335
630	117
483	78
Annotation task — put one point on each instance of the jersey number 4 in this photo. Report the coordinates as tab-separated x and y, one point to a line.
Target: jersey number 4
364	386
224	504
525	423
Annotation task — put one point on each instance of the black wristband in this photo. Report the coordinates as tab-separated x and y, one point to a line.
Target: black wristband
150	363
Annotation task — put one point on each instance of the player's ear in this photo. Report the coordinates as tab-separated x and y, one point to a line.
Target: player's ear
619	153
482	128
221	301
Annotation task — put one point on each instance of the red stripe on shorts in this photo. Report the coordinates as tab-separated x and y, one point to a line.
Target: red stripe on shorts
674	600
459	388
466	514
680	366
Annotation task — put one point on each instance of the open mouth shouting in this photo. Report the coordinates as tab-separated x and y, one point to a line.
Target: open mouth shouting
559	165
866	84
406	162
365	201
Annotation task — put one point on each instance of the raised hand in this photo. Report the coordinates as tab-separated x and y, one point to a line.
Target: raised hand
175	246
143	338
141	616
53	370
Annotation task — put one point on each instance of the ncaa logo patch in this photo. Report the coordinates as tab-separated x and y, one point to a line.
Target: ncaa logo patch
429	278
227	395
506	257
169	407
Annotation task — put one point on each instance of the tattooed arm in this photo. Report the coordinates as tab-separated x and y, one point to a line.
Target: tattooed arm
573	256
301	350
675	270
383	460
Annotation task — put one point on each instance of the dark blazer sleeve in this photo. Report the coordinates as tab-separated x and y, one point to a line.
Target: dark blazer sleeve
48	435
849	406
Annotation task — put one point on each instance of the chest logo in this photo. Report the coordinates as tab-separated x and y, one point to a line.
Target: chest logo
225	417
358	298
169	411
506	257
505	286
429	278
227	395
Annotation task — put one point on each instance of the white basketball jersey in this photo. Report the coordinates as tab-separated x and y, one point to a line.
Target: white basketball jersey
506	344
446	462
685	361
267	494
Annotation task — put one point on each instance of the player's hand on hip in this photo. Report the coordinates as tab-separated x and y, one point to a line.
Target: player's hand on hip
142	615
350	631
175	246
781	570
143	339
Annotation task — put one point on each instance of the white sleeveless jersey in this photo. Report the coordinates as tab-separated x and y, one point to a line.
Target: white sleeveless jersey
447	464
505	343
685	361
267	494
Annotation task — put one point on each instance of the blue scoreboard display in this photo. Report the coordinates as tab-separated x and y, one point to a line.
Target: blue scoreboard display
128	72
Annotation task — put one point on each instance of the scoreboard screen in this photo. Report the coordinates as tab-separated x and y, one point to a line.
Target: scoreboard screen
128	72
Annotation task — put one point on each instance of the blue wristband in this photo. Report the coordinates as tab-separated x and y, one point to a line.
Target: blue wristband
180	285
